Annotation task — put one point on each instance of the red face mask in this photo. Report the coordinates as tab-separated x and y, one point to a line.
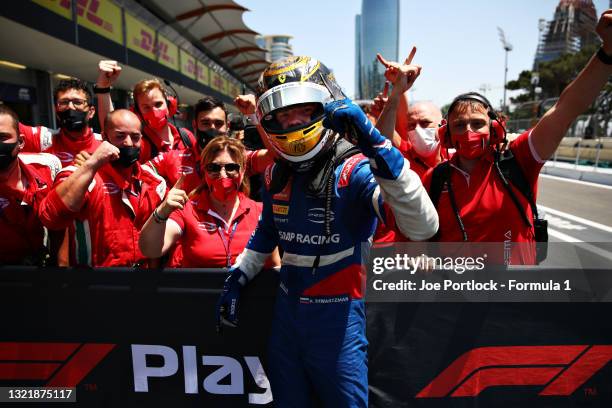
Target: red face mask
156	119
223	188
471	145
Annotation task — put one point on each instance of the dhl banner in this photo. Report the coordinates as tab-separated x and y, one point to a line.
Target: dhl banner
203	72
216	81
188	64
140	37
61	7
147	338
101	16
167	53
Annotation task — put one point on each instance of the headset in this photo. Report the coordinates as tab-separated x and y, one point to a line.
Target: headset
498	131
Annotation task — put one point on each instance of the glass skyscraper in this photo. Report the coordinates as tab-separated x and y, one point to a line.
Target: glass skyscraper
376	31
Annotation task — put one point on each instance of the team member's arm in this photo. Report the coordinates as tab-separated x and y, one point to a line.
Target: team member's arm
576	97
386	121
72	190
108	72
157	235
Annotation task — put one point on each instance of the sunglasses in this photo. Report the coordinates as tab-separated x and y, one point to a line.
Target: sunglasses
230	168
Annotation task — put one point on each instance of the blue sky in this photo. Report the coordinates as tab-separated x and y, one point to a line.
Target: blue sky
457	41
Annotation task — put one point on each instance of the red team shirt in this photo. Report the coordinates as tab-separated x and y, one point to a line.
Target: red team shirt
206	240
57	142
107	226
486	208
151	146
21	230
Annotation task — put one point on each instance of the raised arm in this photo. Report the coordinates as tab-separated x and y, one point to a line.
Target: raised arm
576	97
108	72
401	84
72	190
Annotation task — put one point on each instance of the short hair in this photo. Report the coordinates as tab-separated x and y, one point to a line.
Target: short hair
208	103
236	150
73	83
464	105
145	86
5	110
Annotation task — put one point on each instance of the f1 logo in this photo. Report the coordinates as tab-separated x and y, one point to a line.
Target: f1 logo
561	369
60	364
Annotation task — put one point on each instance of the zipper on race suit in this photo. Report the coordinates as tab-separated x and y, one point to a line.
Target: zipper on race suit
315	264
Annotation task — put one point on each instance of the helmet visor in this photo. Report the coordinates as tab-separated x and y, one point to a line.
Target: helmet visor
292	93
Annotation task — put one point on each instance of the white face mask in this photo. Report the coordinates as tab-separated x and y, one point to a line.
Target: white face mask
424	141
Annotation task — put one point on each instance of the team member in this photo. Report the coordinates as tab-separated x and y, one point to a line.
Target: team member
110	196
215	225
312	199
477	199
73	110
25	179
154	107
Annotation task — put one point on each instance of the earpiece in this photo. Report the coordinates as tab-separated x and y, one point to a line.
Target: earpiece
172	104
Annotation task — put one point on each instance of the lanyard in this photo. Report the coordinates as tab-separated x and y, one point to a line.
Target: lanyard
226	242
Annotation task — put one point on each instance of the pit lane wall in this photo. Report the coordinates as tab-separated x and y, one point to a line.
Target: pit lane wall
147	338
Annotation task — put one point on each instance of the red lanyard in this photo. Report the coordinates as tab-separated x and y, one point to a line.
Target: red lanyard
227	242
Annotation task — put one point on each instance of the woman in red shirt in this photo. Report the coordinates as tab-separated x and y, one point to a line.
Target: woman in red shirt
215	221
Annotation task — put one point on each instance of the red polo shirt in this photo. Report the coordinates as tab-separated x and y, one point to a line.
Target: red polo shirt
207	241
21	231
58	142
152	145
486	208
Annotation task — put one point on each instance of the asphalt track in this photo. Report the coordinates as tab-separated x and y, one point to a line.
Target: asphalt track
579	212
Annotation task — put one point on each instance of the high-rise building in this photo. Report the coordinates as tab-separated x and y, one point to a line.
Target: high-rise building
277	46
572	28
378	31
358	56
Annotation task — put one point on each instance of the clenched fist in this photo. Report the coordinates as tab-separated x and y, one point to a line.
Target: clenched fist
108	72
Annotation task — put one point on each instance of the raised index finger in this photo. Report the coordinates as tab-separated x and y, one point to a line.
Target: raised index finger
179	182
408	60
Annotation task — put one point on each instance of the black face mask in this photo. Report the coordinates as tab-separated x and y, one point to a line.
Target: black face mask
128	156
6	154
72	119
205	136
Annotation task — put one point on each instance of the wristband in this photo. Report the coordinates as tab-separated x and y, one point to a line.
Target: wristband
158	218
97	90
252	119
603	57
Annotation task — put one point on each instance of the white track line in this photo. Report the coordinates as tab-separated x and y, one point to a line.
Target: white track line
581	244
577	219
570	180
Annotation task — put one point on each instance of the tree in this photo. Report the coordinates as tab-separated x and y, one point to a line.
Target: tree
554	75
